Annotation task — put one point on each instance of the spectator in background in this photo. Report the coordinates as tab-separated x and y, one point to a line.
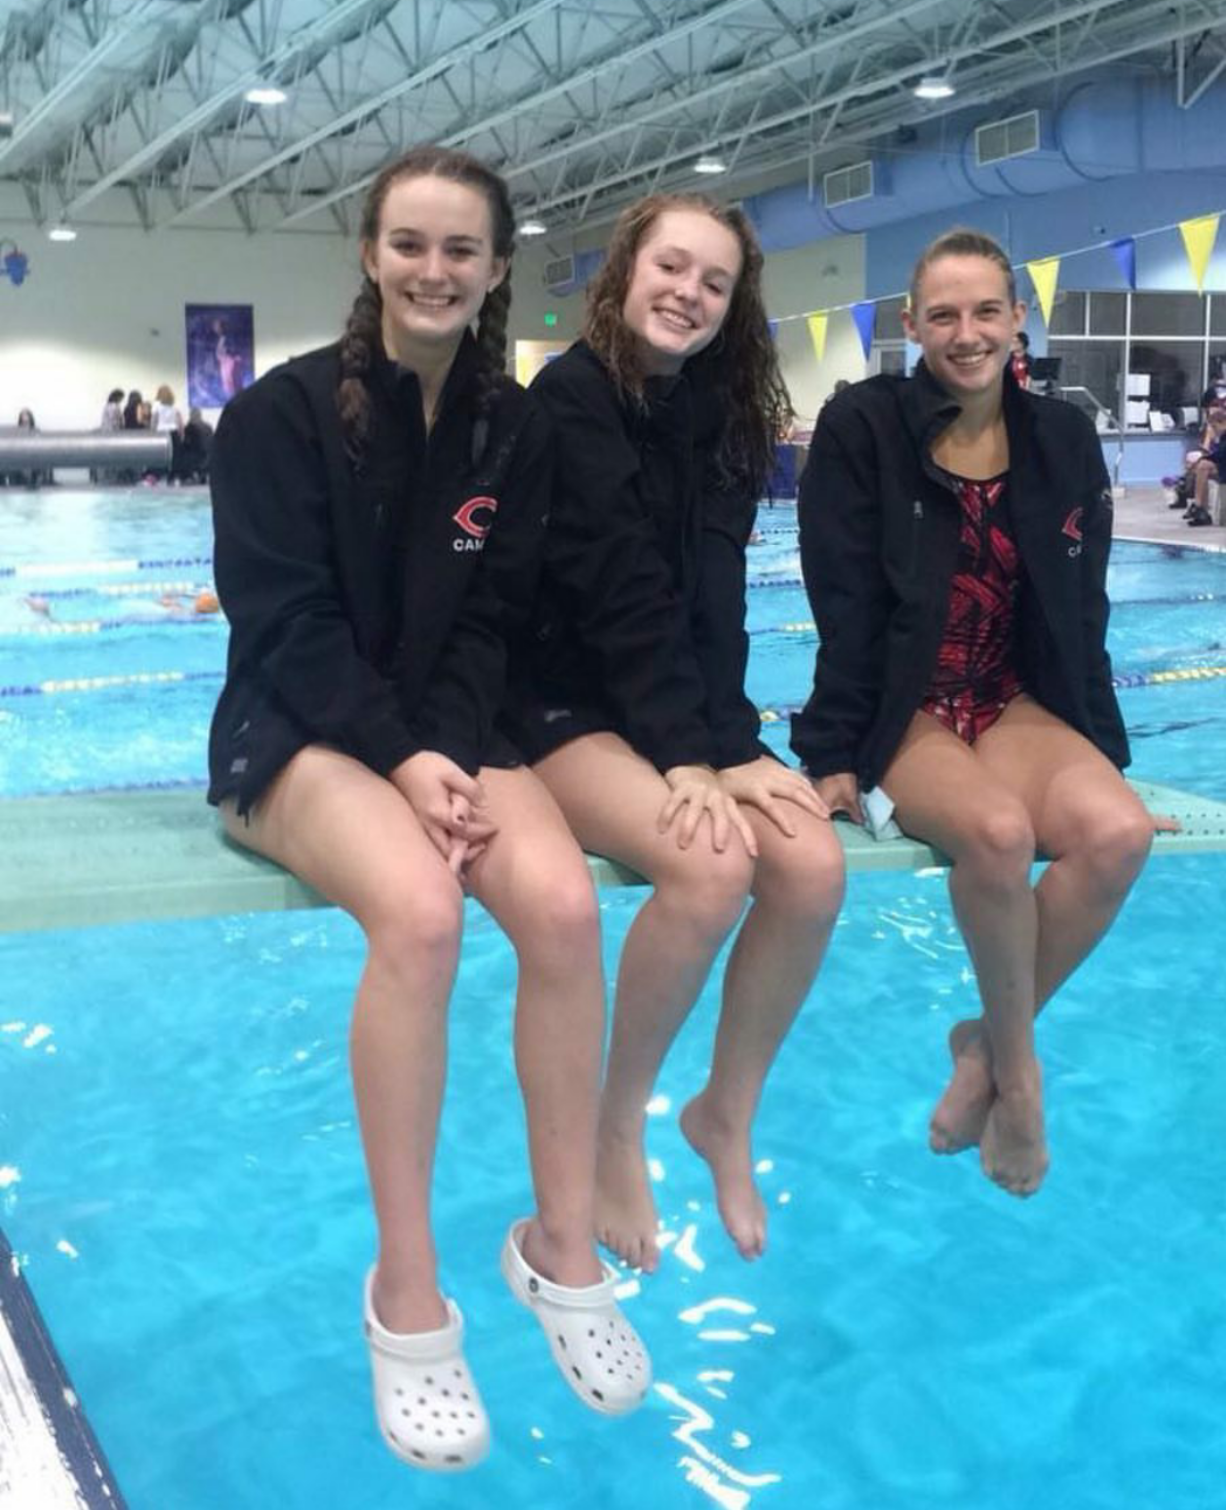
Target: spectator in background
1019	358
193	464
112	412
132	411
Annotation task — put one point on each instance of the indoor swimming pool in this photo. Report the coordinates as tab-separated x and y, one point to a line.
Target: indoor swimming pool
180	1171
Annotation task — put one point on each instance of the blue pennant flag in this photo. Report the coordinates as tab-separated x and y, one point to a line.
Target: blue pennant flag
865	316
1125	251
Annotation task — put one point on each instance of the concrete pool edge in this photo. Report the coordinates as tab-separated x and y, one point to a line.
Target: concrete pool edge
113	857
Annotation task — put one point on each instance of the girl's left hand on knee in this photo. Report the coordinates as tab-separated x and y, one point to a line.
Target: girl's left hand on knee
766	785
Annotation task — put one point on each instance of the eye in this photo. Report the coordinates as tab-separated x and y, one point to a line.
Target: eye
716	288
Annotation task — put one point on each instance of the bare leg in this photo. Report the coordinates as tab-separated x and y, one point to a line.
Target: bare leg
535	881
612	799
352	836
1097	833
946	795
797	891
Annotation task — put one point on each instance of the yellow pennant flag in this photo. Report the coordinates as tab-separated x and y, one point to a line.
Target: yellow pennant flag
1044	274
1198	238
817	330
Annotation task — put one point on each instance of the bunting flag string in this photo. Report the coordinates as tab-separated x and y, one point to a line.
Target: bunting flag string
1199	236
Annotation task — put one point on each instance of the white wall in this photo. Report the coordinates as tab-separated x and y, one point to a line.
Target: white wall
106	311
809	278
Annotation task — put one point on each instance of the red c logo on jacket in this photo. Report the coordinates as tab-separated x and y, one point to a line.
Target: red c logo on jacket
1072	525
466	516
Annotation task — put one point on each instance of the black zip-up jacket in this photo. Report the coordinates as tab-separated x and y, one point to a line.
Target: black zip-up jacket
369	606
879	529
640	623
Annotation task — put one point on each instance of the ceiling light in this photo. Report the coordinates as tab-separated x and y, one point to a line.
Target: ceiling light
266	94
532	227
709	164
930	87
61	233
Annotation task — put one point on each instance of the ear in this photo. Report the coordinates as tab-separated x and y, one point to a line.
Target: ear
498	272
908	324
1019	313
370	265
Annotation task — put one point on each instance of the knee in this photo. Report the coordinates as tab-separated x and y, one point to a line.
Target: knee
559	917
416	930
803	881
1114	846
999	846
706	893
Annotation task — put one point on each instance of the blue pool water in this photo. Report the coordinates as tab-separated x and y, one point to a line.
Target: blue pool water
180	1171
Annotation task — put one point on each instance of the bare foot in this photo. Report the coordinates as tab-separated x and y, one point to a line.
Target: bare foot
567	1261
1013	1149
726	1150
962	1112
626	1220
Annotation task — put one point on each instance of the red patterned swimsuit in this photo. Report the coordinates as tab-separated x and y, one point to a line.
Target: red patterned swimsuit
975	678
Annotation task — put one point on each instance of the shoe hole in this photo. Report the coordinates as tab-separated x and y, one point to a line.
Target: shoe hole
400	1393
421	1399
458	1373
453	1457
562	1340
574	1370
597	1394
429	1380
420	1456
447	1392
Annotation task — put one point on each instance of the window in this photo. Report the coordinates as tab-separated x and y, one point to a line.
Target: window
1068	315
1175	371
1168	315
1095	365
1108	314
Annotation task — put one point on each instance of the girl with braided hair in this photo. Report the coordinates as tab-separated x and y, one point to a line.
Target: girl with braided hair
379	509
632	700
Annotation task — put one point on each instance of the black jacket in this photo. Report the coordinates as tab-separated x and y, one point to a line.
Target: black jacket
369	606
640	624
879	528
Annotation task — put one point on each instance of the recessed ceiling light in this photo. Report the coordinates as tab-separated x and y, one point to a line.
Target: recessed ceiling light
266	94
709	164
930	87
532	227
61	233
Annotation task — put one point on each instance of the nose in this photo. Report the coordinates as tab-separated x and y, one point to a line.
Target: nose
686	286
433	265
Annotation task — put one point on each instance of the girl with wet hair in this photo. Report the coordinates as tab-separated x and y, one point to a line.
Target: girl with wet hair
954	535
632	699
380	508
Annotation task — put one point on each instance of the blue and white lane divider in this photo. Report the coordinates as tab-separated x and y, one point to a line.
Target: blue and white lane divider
769	715
101	568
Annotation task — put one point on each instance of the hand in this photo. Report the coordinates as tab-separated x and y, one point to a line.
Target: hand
841	794
760	782
695	790
449	805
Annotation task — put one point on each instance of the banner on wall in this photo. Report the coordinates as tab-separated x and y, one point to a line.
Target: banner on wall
1125	253
817	332
865	315
220	352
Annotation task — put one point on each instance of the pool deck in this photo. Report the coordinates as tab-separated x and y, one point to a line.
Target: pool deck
87	859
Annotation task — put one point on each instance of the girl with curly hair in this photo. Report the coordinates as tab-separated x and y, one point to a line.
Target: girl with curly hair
379	509
631	701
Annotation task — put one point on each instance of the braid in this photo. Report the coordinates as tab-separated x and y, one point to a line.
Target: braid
363	332
491	360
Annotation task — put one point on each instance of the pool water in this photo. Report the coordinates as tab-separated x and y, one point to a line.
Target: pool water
180	1171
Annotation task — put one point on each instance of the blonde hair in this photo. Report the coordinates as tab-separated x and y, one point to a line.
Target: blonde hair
962	241
165	394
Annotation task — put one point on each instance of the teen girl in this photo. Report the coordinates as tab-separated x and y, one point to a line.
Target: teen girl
954	537
634	708
379	512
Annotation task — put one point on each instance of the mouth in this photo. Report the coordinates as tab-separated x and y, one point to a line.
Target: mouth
431	301
674	319
969	361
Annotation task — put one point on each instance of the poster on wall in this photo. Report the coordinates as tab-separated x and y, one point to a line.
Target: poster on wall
220	353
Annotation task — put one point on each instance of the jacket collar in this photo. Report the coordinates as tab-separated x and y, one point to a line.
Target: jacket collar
927	408
400	385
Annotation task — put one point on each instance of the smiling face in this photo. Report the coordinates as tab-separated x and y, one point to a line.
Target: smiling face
433	263
963	319
681	284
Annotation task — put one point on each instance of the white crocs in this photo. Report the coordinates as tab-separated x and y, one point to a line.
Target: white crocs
426	1403
599	1353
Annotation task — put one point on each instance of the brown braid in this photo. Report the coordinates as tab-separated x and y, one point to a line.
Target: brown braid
741	365
363	331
